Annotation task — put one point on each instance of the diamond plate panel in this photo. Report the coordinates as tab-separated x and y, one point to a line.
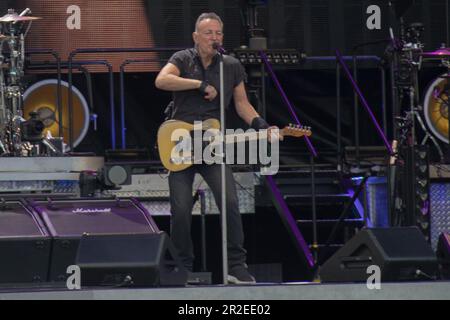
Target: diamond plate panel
440	210
66	186
157	208
155	185
246	201
377	201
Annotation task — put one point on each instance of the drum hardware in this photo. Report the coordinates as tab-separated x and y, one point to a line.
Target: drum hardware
18	136
410	57
407	192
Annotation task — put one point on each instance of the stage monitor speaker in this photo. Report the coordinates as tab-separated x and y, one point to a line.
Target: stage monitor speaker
142	260
68	220
24	245
401	253
443	255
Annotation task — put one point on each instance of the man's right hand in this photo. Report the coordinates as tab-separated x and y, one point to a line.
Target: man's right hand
210	93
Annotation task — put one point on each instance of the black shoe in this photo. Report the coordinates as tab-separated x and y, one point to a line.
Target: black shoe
240	275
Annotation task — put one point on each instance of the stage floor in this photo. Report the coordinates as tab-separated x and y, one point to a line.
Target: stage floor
436	290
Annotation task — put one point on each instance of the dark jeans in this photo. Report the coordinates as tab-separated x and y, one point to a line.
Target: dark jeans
181	202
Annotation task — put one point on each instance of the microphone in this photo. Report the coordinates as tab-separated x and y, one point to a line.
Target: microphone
218	47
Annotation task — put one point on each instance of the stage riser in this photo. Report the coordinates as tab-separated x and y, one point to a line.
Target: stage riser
47	175
146	187
50	164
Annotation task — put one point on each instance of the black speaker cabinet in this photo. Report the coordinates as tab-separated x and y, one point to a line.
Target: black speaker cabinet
129	260
401	254
68	220
24	245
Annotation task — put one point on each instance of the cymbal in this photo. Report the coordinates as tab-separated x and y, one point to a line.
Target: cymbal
14	17
442	52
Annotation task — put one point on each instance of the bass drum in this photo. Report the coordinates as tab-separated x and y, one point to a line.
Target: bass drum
435	107
41	97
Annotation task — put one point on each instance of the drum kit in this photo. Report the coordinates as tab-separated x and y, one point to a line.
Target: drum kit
18	137
407	64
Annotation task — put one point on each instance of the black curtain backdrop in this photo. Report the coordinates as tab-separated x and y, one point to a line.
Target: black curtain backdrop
315	27
312	92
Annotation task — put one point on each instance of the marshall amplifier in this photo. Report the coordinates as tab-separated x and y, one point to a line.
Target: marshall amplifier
68	220
24	245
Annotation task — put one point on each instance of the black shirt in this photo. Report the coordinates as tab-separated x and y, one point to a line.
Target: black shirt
190	105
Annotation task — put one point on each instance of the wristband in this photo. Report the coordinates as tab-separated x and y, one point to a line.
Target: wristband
259	123
202	87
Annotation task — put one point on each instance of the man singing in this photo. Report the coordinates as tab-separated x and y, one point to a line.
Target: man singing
193	76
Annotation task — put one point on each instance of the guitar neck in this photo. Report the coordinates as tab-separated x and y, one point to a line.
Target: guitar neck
258	135
242	137
250	136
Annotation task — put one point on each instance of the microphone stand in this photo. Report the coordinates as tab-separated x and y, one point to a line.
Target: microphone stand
223	210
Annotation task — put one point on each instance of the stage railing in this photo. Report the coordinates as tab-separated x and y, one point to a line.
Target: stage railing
58	90
122	94
112	107
156	49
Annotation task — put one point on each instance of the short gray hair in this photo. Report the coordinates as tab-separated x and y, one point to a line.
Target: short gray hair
207	15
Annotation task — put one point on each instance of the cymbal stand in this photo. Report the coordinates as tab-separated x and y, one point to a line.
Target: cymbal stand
11	91
16	70
410	54
3	148
415	108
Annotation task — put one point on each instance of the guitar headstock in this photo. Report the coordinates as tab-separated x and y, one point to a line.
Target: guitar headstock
296	130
